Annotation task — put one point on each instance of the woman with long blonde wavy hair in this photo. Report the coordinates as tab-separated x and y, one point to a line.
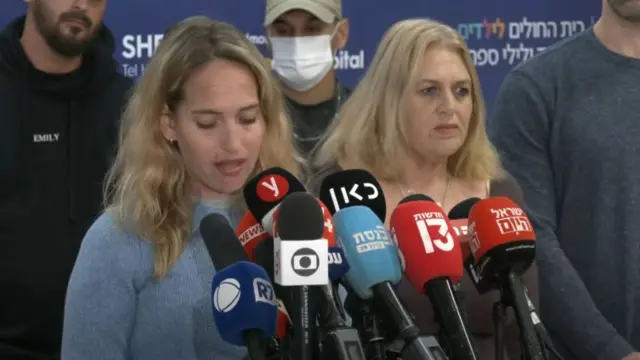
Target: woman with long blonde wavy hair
206	115
416	122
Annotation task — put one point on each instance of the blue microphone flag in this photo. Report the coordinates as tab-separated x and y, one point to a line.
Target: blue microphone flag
370	252
243	299
338	265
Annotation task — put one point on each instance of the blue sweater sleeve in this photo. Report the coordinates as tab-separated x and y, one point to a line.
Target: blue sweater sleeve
101	298
519	128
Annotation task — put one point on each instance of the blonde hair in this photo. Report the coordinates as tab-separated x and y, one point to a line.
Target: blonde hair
370	132
146	188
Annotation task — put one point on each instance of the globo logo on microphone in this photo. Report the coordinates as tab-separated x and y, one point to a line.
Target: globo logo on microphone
301	262
305	262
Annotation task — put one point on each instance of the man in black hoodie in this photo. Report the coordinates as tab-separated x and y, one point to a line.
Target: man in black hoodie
60	100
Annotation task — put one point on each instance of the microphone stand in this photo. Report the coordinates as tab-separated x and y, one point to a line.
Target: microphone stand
340	342
514	296
499	313
366	321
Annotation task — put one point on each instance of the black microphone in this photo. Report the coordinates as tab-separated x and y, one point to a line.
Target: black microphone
298	228
341	190
264	195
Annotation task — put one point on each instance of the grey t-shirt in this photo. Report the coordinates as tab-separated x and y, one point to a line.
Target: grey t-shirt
567	125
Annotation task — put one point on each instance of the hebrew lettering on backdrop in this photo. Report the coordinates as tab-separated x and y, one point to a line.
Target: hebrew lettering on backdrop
543	30
493	28
471	30
514	55
571	27
484	56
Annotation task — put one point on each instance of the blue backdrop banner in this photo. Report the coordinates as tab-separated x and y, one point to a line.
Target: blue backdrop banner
500	33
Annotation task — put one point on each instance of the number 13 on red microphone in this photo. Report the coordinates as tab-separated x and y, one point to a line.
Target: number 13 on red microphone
438	225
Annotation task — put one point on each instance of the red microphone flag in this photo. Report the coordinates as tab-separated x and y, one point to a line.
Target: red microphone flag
502	238
497	221
328	233
425	237
250	233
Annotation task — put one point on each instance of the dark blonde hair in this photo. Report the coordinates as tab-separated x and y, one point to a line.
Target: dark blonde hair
370	132
147	185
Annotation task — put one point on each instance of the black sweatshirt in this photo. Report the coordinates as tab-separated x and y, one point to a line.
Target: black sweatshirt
57	139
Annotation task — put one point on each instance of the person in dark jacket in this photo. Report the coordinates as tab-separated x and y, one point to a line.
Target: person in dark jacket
60	100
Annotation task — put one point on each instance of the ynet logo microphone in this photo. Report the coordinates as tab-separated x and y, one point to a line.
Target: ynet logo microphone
272	188
243	299
301	262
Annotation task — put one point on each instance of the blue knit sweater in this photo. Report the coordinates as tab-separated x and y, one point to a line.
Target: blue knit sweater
115	311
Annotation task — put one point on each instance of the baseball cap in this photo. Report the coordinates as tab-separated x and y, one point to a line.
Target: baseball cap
325	10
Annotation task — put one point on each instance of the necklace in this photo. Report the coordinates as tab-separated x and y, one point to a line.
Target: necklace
336	113
444	193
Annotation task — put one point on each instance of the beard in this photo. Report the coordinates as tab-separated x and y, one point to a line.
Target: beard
628	10
70	43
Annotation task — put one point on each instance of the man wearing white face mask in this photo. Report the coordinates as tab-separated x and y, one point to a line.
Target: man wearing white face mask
304	36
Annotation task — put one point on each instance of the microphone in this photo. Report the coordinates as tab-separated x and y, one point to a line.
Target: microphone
459	215
374	269
250	233
302	261
243	300
338	265
351	188
502	243
265	191
433	262
460	212
333	314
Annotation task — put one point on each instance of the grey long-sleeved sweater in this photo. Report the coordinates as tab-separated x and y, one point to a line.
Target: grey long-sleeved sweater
567	124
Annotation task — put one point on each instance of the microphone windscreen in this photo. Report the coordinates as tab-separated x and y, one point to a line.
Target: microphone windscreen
266	190
338	265
462	209
500	229
243	299
351	188
300	218
458	216
328	233
368	248
425	238
221	241
250	233
415	197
